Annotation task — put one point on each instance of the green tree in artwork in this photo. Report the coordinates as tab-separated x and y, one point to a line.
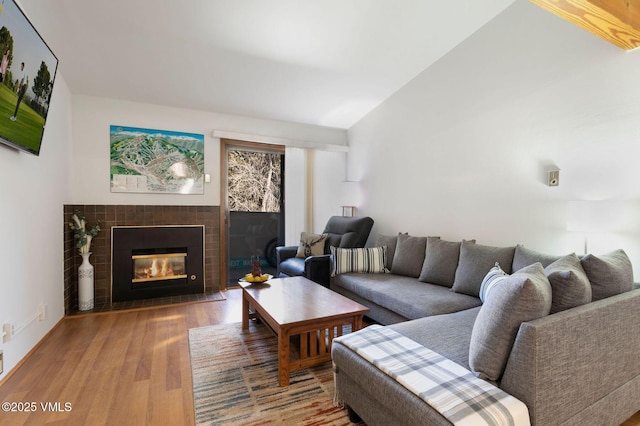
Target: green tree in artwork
6	45
42	83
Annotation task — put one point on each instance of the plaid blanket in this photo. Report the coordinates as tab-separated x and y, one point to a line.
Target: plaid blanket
451	389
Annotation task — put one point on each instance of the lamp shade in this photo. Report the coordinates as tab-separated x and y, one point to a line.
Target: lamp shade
350	193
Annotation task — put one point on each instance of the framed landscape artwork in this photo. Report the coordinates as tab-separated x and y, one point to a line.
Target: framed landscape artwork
156	161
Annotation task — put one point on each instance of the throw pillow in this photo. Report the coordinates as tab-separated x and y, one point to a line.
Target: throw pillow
609	274
311	245
493	277
390	242
525	257
409	255
475	261
569	283
365	260
523	296
440	262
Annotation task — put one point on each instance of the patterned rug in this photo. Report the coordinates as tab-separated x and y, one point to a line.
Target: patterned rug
235	381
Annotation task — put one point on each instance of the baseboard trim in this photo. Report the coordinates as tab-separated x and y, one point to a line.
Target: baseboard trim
30	353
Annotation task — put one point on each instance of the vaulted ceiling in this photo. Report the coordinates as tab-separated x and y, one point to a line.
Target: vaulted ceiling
322	62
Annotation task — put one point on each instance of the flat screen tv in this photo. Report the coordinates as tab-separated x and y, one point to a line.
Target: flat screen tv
27	71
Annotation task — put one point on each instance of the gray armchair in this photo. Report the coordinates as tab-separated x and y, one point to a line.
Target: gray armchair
344	232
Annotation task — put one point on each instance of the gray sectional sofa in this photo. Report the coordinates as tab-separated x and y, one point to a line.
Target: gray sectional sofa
559	333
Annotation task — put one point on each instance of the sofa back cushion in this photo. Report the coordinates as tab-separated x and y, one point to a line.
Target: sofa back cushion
523	296
440	262
525	257
474	263
409	255
609	274
569	283
390	242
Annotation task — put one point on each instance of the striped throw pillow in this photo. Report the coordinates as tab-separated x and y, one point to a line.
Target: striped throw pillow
493	277
367	260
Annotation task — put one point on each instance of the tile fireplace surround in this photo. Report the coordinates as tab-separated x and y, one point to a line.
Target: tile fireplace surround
131	215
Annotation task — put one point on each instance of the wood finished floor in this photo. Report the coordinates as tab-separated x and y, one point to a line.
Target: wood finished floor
120	368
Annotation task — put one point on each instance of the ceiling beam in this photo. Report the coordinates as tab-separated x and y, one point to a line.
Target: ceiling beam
617	21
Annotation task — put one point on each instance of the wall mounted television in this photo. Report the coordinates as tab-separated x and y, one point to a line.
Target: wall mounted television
27	72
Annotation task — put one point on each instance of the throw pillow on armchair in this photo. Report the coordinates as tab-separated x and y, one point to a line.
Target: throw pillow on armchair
311	245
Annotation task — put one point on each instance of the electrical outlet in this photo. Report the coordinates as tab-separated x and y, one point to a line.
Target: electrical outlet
42	312
7	329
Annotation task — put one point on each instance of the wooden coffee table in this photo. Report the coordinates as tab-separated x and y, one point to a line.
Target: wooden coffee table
297	306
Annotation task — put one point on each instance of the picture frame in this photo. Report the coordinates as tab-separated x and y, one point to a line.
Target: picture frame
156	161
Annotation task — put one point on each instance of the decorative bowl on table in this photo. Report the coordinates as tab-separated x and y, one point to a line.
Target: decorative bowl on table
250	278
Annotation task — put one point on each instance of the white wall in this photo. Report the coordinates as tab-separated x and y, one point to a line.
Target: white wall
295	190
92	117
33	192
328	178
462	150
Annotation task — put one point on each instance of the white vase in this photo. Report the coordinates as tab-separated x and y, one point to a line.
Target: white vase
85	283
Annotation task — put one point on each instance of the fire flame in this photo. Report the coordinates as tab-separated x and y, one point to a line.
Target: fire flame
159	268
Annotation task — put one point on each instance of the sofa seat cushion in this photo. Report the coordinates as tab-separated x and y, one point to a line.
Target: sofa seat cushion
404	295
447	334
292	267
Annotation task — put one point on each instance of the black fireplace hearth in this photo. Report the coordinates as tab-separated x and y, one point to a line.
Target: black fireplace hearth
156	261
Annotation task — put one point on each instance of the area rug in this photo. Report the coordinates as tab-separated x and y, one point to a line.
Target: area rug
235	381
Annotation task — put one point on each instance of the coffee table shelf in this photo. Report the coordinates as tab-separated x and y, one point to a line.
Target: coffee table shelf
299	307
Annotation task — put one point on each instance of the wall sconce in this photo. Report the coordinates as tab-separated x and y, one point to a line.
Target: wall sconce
553	177
348	211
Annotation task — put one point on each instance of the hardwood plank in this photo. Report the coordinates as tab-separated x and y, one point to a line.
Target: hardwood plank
145	353
99	396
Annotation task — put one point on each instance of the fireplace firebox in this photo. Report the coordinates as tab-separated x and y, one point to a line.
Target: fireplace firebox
156	261
158	267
